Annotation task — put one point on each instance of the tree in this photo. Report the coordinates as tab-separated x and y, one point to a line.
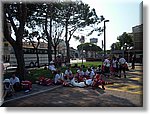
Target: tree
125	38
31	37
116	46
76	15
57	33
89	47
15	15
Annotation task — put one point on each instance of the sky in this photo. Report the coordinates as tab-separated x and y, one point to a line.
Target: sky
122	16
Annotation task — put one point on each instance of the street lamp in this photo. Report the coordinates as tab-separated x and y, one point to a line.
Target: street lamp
124	46
90	50
105	37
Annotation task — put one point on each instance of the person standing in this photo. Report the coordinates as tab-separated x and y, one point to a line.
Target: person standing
122	66
133	62
114	66
106	64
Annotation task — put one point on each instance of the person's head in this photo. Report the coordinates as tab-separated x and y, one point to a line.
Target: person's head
120	56
89	69
80	68
55	72
58	71
114	58
6	82
68	68
99	66
13	75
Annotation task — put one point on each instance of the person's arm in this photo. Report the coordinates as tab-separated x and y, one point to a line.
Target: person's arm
56	78
17	79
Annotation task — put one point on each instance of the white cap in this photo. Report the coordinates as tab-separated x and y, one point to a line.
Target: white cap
51	62
6	80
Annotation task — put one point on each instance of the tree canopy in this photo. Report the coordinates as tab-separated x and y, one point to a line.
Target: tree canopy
89	47
124	38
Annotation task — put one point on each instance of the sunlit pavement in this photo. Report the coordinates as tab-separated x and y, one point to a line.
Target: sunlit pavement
123	93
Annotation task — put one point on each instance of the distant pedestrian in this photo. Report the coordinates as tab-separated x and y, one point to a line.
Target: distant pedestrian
114	66
122	66
133	62
106	64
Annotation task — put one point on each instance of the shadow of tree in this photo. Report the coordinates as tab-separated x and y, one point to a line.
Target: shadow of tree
114	101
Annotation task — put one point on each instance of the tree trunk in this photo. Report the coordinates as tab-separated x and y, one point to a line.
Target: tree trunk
68	52
55	52
67	42
49	39
20	61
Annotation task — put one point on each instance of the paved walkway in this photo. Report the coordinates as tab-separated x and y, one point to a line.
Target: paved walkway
123	93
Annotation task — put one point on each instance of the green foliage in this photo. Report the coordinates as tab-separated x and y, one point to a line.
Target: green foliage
34	74
89	47
125	38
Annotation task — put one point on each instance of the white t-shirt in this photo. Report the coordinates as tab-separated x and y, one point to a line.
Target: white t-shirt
81	73
122	61
52	67
106	63
89	81
91	74
114	63
58	77
13	81
68	72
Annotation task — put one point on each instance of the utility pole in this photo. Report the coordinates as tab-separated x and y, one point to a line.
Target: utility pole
105	37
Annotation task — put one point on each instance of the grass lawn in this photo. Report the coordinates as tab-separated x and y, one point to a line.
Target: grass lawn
34	74
89	64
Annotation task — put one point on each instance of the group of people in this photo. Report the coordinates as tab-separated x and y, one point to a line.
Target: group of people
115	66
90	77
11	85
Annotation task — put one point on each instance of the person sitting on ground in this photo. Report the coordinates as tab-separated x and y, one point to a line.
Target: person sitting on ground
97	80
52	66
80	74
93	69
15	82
58	79
68	74
45	67
84	83
98	70
89	74
75	83
8	88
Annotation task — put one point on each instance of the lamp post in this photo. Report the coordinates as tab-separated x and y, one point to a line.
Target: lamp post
105	37
90	45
